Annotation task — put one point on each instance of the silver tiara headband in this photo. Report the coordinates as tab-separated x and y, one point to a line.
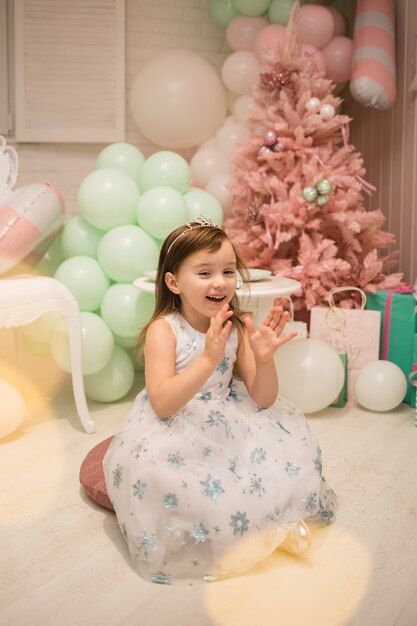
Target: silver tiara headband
198	222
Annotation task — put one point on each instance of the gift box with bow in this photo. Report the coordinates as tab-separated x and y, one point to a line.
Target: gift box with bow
398	329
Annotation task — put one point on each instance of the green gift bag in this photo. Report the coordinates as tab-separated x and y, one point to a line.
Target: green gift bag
412	378
398	328
342	398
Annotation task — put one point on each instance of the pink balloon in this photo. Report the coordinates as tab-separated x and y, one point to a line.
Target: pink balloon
268	40
338	57
315	55
195	185
242	30
339	22
315	25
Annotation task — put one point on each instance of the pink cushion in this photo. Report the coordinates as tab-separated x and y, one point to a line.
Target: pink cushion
92	475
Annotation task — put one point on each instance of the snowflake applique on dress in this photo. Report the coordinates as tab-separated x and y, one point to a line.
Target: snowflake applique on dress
240	523
211	487
140	489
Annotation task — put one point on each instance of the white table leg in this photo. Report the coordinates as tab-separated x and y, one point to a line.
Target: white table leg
75	341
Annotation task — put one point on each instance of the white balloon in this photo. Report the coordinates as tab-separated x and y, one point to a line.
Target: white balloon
231	99
380	386
310	373
230	135
12	408
240	71
177	99
209	143
229	120
242	109
207	163
218	187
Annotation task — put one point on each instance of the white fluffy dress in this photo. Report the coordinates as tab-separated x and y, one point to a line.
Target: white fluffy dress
214	489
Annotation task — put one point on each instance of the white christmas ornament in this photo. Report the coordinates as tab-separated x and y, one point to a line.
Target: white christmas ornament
313	105
327	111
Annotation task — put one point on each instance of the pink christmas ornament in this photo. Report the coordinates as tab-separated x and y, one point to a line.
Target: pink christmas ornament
278	147
263	151
270	137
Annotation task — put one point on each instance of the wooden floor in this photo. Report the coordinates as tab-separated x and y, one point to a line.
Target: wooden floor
63	560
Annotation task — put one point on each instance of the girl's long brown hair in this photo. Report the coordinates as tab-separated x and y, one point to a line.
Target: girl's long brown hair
173	254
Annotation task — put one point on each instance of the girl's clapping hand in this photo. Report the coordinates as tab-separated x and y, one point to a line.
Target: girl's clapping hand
266	340
217	334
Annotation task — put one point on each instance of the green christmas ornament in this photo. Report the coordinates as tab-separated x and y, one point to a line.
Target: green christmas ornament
310	194
324	186
323	199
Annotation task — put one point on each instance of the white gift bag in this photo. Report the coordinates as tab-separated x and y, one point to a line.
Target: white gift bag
299	327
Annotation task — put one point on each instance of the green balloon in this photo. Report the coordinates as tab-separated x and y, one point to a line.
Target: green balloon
127	252
222	11
124	342
108	198
97	348
160	210
279	11
51	259
85	279
122	156
165	169
251	7
112	382
126	310
137	357
79	238
129	344
201	202
46	267
55	253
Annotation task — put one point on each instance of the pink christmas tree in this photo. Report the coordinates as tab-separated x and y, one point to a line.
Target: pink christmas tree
298	200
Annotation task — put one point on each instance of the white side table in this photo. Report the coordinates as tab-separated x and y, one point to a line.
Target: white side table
25	298
255	297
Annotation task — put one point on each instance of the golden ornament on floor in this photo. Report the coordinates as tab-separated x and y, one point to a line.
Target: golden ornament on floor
298	539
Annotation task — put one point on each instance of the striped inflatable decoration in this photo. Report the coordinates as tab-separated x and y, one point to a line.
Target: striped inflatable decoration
372	82
31	217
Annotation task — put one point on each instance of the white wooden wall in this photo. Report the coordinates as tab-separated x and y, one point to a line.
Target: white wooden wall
151	26
69	70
